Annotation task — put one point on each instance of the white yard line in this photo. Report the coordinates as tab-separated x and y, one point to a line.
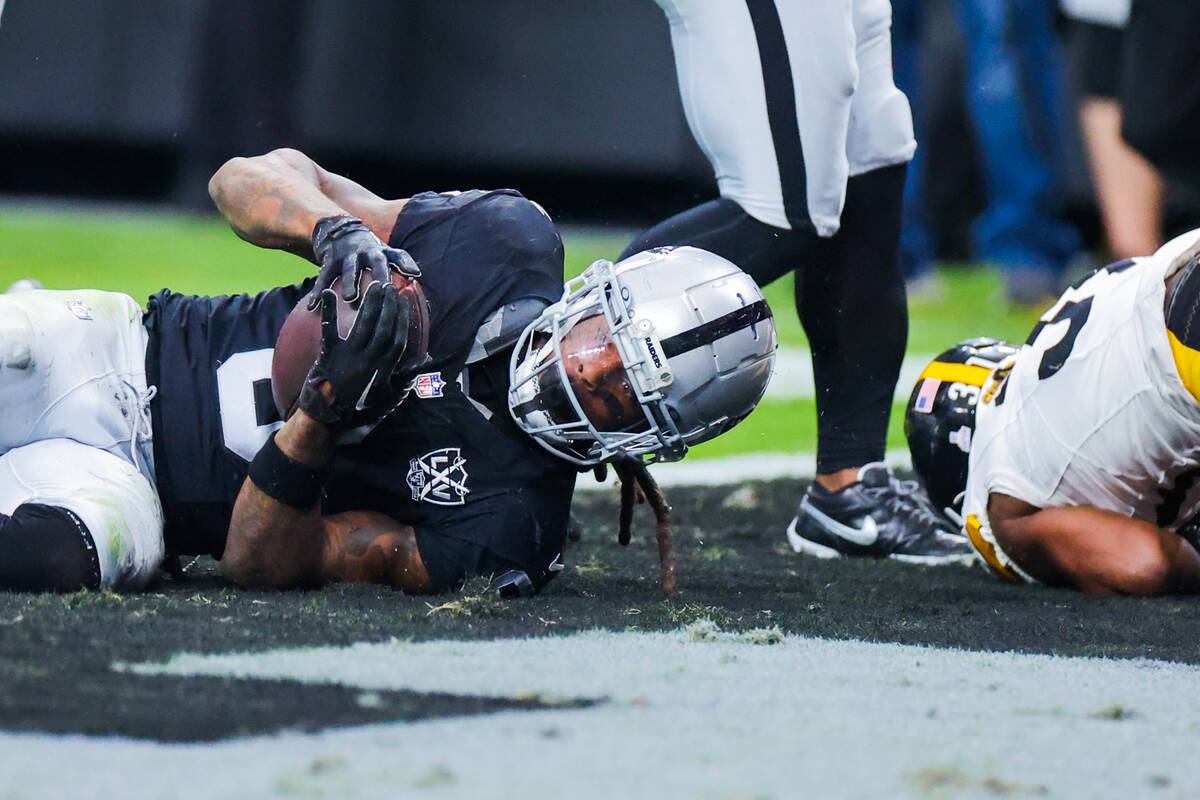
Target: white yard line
704	715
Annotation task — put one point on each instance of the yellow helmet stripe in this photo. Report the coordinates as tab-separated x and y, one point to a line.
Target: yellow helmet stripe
957	373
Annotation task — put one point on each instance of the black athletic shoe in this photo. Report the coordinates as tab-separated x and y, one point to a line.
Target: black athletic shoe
877	516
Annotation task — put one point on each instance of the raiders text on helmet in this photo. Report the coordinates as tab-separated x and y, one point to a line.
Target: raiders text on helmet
940	419
646	357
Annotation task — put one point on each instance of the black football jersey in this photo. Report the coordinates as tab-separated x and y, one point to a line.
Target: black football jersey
481	494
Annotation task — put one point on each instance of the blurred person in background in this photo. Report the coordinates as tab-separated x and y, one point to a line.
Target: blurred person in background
794	104
1159	90
1014	96
1129	190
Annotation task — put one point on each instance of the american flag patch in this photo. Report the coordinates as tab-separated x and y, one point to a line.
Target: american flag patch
926	394
429	384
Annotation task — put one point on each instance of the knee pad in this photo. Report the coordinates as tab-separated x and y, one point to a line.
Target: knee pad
114	501
16	337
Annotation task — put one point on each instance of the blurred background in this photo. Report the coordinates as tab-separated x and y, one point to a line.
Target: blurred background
574	103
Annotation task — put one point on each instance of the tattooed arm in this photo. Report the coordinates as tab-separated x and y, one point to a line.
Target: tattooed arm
274	545
275	200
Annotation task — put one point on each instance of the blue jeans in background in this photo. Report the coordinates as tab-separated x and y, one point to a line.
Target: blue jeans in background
1015	97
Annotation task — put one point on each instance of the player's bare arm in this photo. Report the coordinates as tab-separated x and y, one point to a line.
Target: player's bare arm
275	200
274	545
366	547
1094	550
271	543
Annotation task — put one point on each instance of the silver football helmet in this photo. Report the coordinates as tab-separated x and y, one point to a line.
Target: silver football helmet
646	357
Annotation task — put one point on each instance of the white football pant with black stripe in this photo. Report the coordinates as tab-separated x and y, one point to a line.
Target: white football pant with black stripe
789	98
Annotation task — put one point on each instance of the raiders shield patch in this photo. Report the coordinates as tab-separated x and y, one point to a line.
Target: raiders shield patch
439	477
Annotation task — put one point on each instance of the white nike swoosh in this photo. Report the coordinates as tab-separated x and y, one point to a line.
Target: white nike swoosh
866	536
555	565
361	405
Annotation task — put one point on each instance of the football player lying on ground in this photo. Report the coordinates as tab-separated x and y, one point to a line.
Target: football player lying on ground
129	437
1084	445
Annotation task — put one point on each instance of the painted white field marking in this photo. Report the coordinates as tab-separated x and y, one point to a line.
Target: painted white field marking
793	376
714	718
730	470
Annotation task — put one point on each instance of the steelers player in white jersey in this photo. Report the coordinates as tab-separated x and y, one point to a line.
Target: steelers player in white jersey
1084	445
794	103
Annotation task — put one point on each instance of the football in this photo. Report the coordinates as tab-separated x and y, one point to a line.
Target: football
299	341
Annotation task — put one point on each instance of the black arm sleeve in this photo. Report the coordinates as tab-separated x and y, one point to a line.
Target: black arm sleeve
46	549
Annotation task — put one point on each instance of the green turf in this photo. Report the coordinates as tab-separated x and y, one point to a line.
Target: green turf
140	253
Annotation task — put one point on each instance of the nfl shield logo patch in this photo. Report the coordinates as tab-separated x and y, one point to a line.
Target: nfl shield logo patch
429	384
926	395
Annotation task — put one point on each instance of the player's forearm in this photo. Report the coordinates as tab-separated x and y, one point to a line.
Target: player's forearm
366	547
1100	552
273	200
276	544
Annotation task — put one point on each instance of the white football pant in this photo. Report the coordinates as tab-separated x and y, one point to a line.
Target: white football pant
849	115
75	426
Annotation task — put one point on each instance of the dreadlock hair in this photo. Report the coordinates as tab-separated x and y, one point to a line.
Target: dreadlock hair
637	485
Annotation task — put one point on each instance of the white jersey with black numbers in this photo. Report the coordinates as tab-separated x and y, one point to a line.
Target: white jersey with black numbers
1094	411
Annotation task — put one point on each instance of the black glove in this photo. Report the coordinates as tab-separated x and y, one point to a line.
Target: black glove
346	248
351	383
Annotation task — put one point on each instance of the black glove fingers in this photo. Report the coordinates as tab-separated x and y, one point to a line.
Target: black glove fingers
376	262
385	328
329	320
368	319
350	270
399	341
324	280
403	262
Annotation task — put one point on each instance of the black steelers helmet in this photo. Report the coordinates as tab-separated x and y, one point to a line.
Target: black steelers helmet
940	419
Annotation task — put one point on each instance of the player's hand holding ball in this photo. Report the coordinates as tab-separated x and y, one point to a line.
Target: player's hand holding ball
347	250
352	382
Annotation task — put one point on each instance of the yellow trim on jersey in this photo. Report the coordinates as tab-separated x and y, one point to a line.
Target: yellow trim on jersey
987	551
957	373
1187	364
